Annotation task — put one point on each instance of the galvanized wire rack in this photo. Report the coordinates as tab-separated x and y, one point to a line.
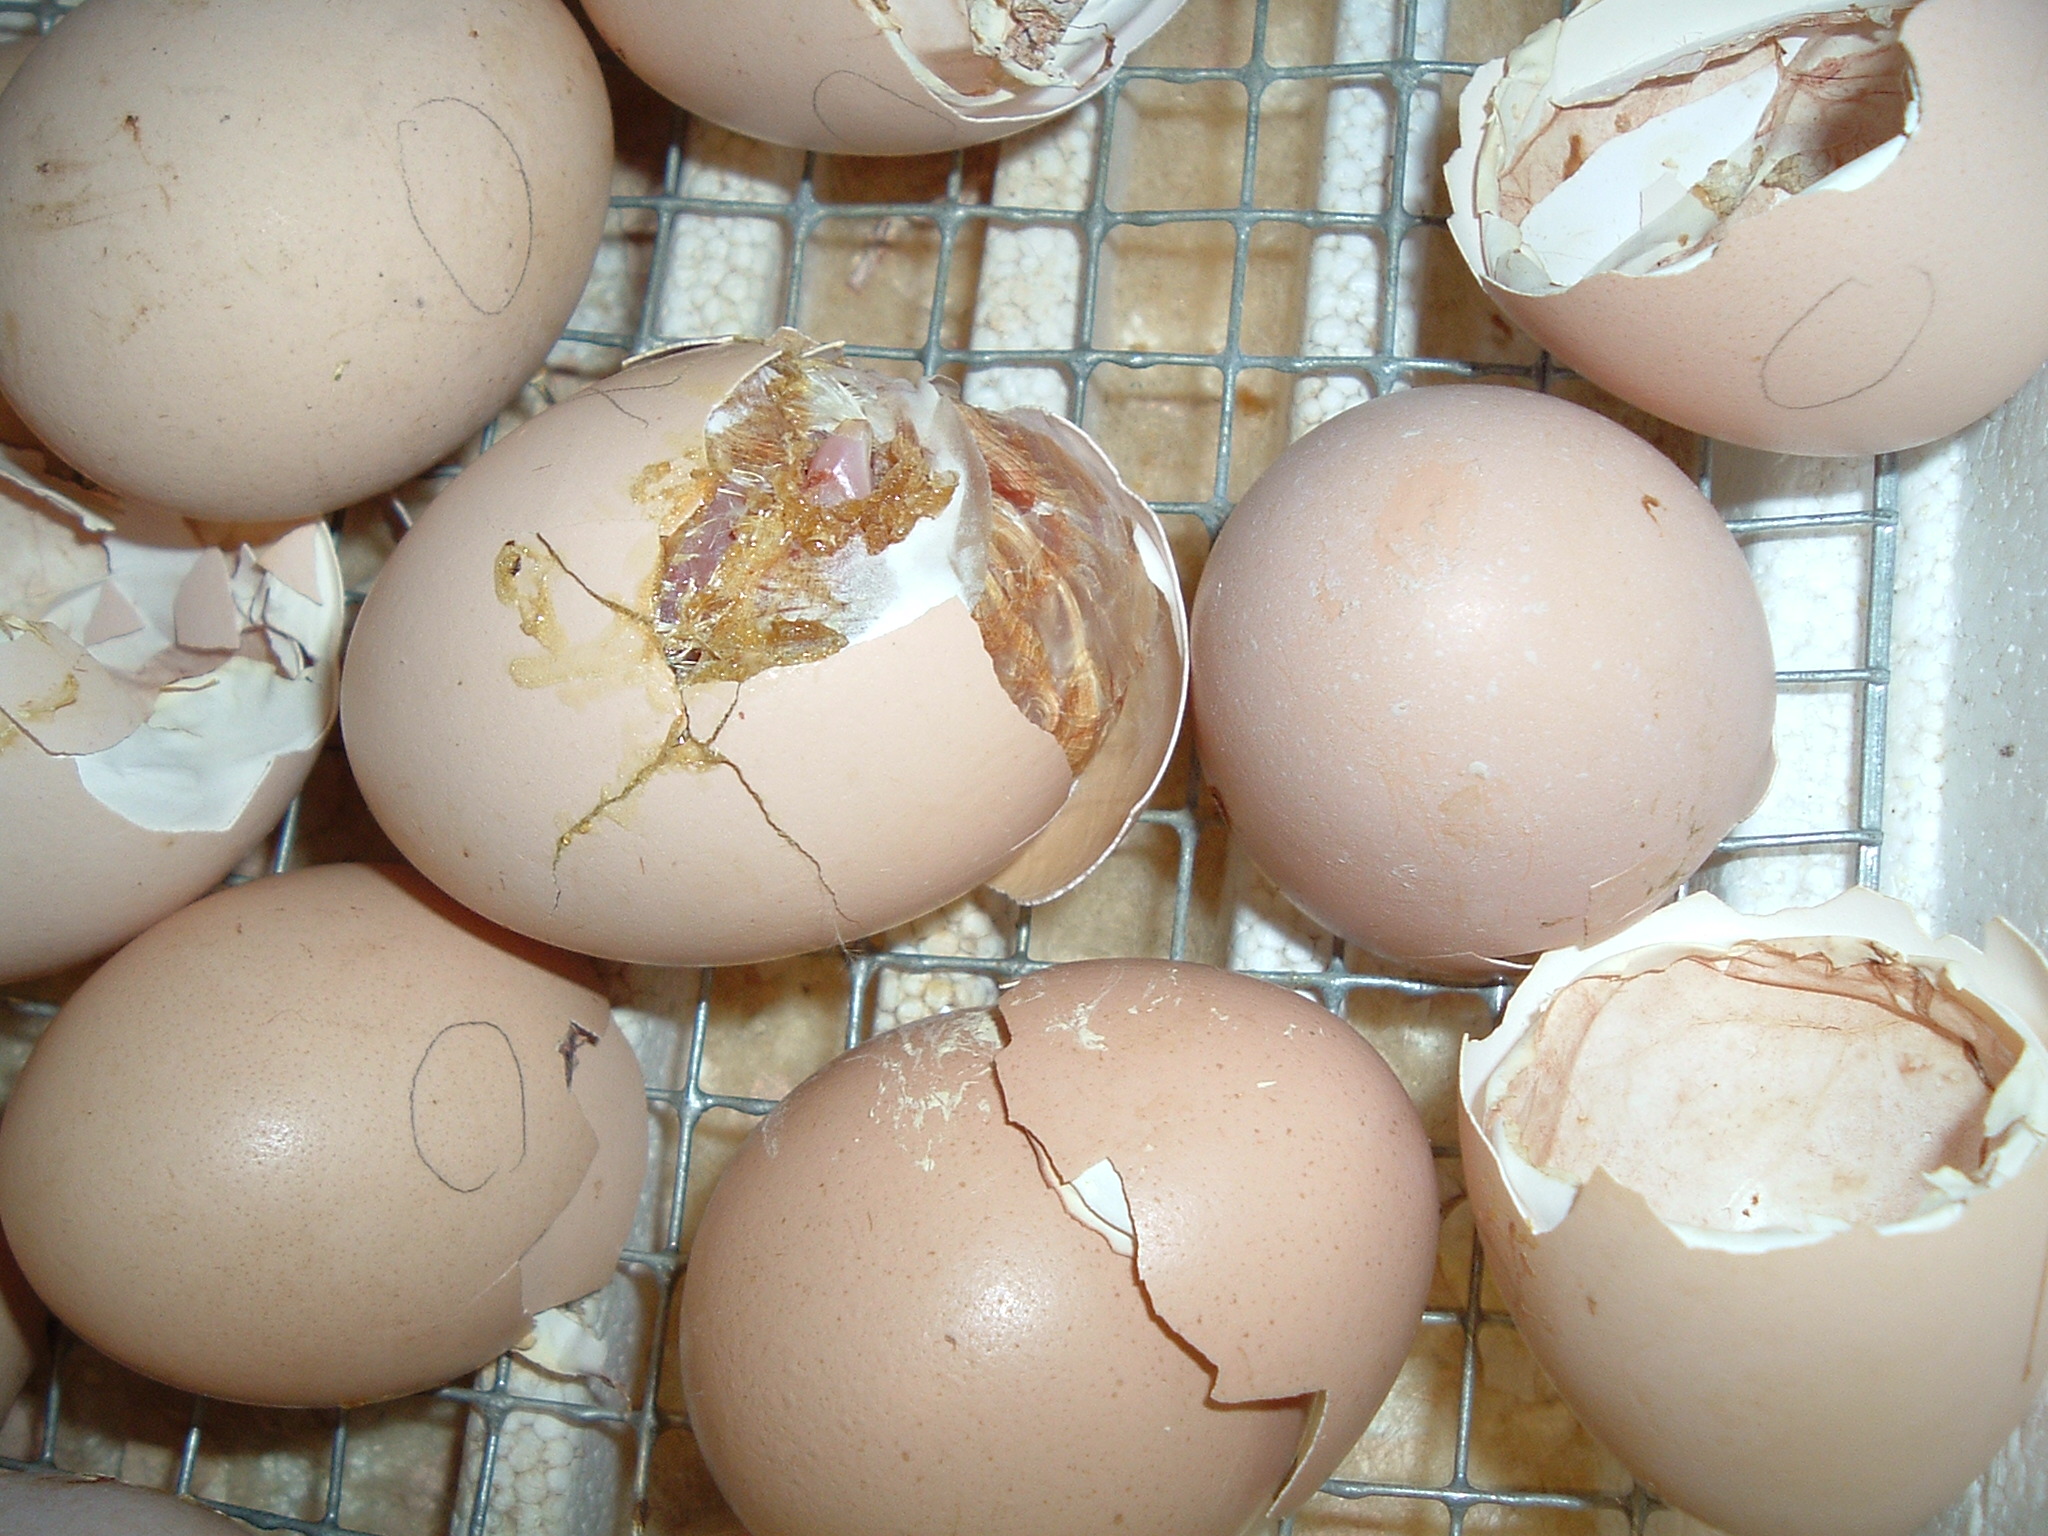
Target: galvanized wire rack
952	208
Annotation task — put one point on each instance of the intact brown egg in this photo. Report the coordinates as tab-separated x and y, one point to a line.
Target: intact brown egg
262	258
322	1138
878	77
1768	1200
747	651
32	1505
1141	1249
1812	228
1477	673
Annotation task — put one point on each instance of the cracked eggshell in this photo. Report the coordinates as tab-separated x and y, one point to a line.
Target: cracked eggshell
1889	306
884	1278
1477	673
42	1505
1278	1183
136	767
450	1103
867	77
262	258
1847	1380
853	793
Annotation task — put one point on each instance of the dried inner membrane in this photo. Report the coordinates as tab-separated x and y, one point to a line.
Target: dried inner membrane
829	505
1801	1086
982	53
1653	177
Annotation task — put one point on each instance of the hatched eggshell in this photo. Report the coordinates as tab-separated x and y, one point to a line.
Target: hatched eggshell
79	873
1279	1179
890	1327
833	76
261	258
32	1505
840	796
1118	781
1846	1386
1838	322
1478	673
341	1041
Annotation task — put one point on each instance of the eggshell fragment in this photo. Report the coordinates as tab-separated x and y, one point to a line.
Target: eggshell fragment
33	1505
137	767
1276	1176
1889	302
878	77
261	258
1800	1371
883	1279
322	1138
1477	673
525	715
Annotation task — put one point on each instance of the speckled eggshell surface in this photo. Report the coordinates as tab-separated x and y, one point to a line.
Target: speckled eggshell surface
261	258
1840	322
1478	673
322	1138
892	1273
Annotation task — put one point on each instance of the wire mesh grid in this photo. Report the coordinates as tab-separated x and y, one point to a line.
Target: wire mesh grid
953	205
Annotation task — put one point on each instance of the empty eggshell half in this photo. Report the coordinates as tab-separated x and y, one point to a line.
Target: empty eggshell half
1805	227
1766	1197
878	77
747	651
1142	1251
262	258
161	701
32	1505
322	1138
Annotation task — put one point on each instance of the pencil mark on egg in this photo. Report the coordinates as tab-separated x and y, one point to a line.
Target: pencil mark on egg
1849	340
468	1106
470	198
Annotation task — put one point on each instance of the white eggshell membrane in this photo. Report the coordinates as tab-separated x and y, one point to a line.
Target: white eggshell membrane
868	78
1766	1197
522	734
161	701
261	258
1807	228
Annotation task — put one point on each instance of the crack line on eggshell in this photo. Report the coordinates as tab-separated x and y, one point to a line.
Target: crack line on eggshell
681	747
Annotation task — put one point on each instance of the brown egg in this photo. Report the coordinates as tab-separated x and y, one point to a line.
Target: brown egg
878	77
652	681
261	258
1478	673
1808	228
33	1505
322	1138
1143	1250
1767	1199
161	702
